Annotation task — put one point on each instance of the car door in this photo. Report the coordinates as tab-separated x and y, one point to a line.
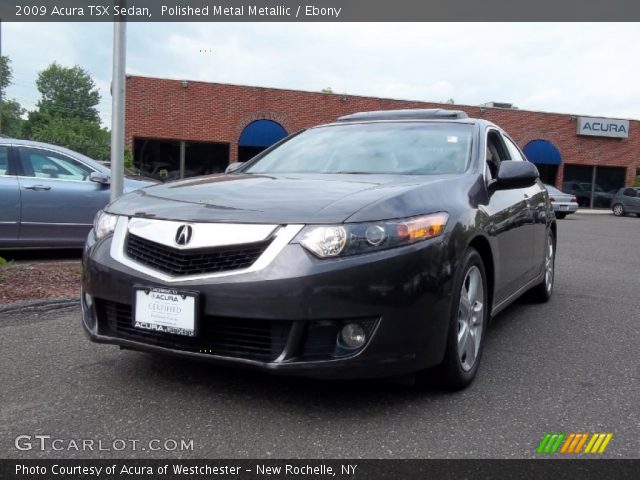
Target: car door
58	199
631	200
510	220
9	199
536	199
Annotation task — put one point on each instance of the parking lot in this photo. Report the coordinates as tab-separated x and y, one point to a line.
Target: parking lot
571	365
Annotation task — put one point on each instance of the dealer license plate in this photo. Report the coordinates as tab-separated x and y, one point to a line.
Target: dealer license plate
165	310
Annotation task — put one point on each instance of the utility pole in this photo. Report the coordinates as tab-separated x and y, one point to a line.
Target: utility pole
118	83
1	92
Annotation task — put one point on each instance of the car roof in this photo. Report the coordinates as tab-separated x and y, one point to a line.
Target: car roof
31	143
409	114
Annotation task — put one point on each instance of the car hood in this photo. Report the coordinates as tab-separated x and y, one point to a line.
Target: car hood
135	182
286	199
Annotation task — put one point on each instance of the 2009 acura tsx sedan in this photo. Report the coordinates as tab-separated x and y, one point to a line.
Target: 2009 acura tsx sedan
376	246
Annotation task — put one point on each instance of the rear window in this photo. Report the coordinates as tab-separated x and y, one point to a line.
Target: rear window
403	148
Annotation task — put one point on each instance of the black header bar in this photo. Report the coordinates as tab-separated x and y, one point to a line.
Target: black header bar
319	10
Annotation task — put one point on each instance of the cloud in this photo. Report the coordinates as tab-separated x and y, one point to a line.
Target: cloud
573	68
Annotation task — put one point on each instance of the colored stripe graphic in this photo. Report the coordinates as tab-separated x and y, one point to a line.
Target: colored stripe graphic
573	443
550	442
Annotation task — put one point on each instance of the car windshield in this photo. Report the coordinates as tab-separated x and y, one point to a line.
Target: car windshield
403	148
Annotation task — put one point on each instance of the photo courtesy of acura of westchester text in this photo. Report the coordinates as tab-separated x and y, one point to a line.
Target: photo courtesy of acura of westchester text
244	239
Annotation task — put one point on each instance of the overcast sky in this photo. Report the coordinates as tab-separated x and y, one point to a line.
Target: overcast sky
589	69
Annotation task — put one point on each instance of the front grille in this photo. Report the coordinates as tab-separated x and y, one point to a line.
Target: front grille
196	261
262	340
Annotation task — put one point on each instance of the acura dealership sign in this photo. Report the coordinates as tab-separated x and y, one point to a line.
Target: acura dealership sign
603	127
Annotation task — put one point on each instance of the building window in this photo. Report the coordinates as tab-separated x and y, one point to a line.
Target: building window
161	159
593	186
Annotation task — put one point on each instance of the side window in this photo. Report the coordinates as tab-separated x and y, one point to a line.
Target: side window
46	164
4	161
514	153
495	153
630	192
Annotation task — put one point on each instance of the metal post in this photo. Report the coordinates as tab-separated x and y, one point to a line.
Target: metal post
118	82
182	157
1	92
593	186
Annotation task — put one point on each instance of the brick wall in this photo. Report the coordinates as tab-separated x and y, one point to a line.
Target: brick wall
161	108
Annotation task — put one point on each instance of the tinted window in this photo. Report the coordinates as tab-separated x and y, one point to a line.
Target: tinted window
630	192
495	153
4	160
46	164
514	153
396	148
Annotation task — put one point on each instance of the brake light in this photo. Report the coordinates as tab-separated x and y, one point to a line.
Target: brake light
574	199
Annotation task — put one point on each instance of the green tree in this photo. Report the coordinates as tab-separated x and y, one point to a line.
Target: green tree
66	113
77	134
11	112
68	92
6	73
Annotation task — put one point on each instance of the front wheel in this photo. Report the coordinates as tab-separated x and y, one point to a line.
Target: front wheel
618	210
467	323
543	291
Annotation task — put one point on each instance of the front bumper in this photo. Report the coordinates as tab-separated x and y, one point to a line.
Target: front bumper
286	318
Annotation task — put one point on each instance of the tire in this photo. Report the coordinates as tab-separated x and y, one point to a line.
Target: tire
618	210
560	216
458	370
544	290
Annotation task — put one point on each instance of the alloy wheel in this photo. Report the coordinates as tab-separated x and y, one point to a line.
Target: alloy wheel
470	318
549	264
618	211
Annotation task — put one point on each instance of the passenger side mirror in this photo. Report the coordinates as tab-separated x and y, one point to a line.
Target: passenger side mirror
100	177
515	174
233	166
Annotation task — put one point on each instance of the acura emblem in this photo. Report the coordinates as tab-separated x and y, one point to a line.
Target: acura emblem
184	234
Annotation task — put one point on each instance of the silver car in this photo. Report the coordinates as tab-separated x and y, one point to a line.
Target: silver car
563	203
49	195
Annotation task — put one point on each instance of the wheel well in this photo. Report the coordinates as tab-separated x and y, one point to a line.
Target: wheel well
482	246
554	229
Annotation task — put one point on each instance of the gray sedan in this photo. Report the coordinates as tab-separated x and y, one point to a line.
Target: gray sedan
626	200
49	195
563	203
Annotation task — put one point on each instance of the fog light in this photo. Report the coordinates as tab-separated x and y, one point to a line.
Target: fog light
88	300
353	335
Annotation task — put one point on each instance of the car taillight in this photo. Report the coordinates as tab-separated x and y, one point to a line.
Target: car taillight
551	199
574	199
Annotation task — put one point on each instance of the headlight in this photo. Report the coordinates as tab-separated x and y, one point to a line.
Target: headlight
104	224
327	241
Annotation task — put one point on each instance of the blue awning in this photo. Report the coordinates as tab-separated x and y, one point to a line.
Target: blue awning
542	152
261	133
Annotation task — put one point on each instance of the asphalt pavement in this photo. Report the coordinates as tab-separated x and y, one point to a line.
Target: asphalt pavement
571	365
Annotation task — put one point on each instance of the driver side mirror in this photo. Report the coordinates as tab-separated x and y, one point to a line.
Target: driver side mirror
515	174
100	177
233	166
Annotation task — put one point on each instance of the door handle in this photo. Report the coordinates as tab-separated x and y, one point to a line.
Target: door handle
37	187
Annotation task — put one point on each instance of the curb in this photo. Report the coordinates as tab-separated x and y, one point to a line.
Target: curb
594	212
40	305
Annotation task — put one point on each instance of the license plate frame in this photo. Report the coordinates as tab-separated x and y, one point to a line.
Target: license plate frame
171	312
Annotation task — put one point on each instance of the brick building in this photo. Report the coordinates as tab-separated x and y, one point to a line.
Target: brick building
181	128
